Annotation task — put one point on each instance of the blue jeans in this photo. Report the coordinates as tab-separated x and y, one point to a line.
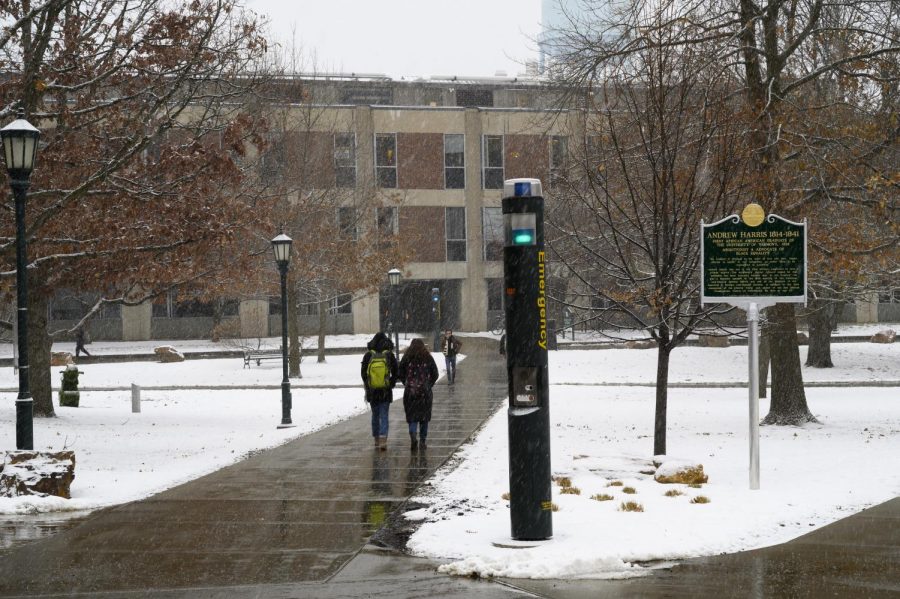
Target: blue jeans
450	361
422	426
380	418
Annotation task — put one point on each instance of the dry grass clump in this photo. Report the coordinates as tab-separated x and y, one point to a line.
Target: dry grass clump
700	499
673	493
631	506
602	497
629	490
570	491
695	485
505	496
615	483
563	481
554	507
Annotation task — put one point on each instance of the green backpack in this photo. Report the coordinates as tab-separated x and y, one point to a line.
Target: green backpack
378	371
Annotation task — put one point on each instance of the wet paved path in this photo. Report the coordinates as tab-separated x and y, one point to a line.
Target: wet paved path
296	522
855	557
296	513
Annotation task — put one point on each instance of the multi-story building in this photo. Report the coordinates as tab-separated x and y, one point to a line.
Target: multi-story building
443	148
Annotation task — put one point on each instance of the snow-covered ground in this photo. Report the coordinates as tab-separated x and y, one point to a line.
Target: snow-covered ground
810	475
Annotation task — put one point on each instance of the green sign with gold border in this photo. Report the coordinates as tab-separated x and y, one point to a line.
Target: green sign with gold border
753	258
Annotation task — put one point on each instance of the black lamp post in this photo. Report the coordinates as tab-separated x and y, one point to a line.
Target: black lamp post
394	279
282	248
20	140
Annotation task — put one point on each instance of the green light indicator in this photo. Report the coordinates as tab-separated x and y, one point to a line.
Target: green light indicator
523	238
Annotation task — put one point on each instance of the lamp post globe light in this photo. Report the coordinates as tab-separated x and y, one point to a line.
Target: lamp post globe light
20	140
394	280
281	246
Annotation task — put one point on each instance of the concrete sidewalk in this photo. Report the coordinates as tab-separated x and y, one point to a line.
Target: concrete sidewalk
292	515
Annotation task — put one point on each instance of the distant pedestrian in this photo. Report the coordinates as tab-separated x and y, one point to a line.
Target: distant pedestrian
80	339
419	373
379	375
450	347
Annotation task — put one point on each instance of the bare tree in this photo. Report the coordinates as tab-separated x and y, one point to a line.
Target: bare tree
141	184
773	52
659	150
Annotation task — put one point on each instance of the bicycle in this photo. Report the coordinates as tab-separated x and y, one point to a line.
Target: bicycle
499	325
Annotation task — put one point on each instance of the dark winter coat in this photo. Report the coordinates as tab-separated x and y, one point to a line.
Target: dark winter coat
450	346
418	409
379	343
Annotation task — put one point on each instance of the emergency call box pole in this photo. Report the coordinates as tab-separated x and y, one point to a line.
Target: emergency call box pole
436	318
525	286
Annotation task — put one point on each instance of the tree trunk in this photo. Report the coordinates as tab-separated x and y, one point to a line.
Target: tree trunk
821	316
39	346
788	406
765	358
293	342
323	314
662	390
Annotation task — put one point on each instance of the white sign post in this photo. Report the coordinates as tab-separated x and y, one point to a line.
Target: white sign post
752	262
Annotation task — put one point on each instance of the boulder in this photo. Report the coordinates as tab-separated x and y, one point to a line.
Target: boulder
167	353
649	344
37	473
680	471
885	336
61	358
713	341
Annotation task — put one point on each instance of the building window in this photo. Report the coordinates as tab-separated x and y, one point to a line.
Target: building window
455	219
345	159
367	96
347	222
342	304
434	97
494	294
474	97
192	308
386	221
162	306
386	159
68	306
274	305
559	147
492	161
454	161
492	233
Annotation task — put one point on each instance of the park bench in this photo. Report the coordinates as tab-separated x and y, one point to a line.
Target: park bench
258	355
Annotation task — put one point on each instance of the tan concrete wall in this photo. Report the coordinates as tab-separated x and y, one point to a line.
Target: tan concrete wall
867	309
365	314
254	316
136	322
433	197
436	270
473	300
424	120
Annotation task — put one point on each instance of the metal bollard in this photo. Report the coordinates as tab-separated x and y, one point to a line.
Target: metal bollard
135	399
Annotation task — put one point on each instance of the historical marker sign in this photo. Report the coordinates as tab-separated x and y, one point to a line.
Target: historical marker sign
753	258
752	261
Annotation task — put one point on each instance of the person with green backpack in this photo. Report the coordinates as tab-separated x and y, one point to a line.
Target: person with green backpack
379	375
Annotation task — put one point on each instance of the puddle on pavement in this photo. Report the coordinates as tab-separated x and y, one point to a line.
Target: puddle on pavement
20	529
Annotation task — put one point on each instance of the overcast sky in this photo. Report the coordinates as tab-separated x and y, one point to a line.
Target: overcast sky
408	37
